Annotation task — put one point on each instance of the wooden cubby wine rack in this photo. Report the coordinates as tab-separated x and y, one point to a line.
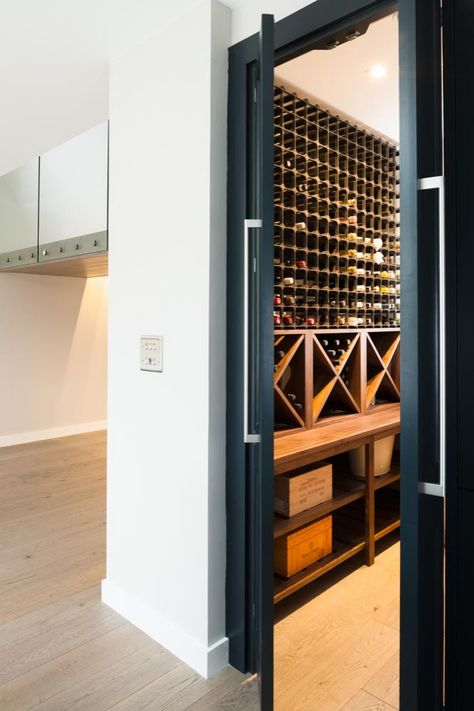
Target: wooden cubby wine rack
336	232
322	374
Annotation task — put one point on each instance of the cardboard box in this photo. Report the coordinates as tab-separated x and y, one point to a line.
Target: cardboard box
302	489
296	551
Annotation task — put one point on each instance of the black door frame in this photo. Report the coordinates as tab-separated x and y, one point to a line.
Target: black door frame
295	34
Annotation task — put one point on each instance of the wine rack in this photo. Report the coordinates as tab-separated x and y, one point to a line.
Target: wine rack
319	374
336	223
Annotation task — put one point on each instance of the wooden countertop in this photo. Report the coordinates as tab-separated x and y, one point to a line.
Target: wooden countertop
301	448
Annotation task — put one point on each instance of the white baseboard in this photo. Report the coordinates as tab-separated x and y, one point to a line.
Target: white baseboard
207	661
38	435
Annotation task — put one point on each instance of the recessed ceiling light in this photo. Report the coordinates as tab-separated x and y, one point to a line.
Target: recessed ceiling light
377	71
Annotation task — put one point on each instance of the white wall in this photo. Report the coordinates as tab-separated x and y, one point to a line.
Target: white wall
53	356
246	15
166	457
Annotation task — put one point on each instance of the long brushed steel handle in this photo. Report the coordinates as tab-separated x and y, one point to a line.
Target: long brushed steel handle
437	183
249	437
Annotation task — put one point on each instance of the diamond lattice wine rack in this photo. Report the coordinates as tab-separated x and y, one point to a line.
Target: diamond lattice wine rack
333	373
336	236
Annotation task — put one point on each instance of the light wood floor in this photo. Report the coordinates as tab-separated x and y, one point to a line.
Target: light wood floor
60	647
337	642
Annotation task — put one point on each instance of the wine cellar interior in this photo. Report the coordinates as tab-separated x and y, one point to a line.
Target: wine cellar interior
336	313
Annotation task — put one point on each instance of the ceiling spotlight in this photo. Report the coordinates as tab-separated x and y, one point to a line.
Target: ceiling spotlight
377	71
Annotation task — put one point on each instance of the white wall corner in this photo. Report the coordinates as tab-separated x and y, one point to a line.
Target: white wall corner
206	661
174	593
220	18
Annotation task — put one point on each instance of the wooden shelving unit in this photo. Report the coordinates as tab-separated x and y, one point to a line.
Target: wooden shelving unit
336	318
337	242
363	513
312	385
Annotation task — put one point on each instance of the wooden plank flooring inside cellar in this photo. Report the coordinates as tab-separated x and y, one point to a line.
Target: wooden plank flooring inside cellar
336	642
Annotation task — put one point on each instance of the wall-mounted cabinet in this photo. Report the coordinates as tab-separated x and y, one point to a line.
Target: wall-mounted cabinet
19	216
73	197
54	210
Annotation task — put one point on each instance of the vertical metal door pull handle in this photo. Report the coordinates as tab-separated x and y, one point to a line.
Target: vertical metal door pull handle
249	438
425	487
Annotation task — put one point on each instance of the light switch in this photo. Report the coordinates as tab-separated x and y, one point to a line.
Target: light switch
151	353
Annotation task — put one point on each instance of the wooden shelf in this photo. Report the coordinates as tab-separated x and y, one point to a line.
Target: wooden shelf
390	478
388	528
346	490
304	447
363	511
341	553
387	513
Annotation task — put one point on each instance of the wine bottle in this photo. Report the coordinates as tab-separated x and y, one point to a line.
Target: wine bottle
289	300
300	225
288	281
276	300
301	264
310	321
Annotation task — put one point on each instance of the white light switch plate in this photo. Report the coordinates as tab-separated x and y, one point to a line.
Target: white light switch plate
151	353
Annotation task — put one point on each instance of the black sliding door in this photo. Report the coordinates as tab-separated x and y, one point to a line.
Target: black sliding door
251	364
423	328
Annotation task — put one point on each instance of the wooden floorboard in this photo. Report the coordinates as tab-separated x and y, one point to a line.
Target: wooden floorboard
336	644
336	641
363	701
61	648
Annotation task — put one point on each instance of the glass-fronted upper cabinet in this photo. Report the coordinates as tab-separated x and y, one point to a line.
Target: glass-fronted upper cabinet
73	196
19	216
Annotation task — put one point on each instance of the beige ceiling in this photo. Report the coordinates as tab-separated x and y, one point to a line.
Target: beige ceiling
340	77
